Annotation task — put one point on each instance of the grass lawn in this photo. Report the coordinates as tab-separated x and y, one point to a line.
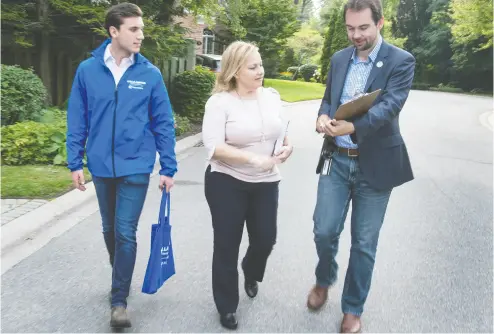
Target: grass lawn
42	182
294	91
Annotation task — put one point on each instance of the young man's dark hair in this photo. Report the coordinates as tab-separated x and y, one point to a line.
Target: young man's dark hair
116	13
357	5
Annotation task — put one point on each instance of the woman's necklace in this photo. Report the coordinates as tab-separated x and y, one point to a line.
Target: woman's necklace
263	137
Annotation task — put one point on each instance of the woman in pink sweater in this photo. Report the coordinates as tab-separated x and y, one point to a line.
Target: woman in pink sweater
241	125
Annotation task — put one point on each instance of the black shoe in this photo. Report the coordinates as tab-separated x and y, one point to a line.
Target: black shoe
229	320
251	287
119	317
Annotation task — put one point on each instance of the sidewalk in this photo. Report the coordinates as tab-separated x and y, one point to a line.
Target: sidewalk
14	208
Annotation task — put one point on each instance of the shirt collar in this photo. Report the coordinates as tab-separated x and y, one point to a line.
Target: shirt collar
108	56
374	52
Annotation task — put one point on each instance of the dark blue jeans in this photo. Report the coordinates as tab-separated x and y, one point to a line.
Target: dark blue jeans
120	202
335	191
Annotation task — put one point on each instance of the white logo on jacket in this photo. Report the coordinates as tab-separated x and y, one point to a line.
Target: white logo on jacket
136	84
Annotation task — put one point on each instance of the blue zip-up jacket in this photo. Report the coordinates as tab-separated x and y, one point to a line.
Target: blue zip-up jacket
120	127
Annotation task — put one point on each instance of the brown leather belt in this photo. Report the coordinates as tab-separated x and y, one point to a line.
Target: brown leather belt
349	152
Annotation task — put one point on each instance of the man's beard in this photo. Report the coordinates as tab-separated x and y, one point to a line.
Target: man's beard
365	47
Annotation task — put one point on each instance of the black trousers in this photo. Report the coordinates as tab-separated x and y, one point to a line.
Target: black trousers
233	202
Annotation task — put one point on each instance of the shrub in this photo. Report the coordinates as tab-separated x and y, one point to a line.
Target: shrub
190	92
182	125
23	95
317	75
420	86
480	91
447	89
30	142
285	76
292	69
52	115
307	71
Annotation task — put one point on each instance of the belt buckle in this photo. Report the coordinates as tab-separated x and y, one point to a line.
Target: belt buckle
351	155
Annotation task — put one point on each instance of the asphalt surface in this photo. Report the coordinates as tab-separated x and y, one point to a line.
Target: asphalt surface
434	266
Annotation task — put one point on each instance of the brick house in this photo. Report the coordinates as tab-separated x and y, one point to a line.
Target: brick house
209	39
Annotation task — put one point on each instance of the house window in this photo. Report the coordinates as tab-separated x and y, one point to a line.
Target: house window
207	42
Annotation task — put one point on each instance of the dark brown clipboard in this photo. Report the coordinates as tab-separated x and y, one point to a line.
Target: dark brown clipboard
356	107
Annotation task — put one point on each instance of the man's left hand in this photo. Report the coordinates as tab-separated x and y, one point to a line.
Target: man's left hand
166	182
340	128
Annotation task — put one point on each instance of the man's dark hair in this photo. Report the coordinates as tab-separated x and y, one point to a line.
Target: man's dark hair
116	14
357	5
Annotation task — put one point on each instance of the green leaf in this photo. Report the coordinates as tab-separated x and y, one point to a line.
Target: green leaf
53	148
58	137
58	160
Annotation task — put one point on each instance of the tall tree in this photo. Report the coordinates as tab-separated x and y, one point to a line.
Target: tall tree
411	18
306	10
472	22
335	38
269	23
306	45
390	26
433	52
471	29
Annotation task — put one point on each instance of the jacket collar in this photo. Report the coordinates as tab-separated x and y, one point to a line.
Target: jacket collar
99	53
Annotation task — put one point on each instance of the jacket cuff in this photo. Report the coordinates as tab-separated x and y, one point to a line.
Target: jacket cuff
167	172
76	168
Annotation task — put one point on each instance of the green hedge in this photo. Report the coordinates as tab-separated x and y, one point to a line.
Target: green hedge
446	88
284	77
190	92
182	125
23	95
31	143
421	86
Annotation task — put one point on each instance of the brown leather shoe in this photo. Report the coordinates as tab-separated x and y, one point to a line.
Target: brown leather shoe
317	297
119	317
351	324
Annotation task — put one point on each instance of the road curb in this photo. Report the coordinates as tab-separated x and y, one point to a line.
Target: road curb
18	230
293	104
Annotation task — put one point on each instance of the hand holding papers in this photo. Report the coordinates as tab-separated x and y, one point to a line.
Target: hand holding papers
356	107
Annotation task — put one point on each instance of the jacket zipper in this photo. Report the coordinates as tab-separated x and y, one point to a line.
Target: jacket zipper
113	131
115	114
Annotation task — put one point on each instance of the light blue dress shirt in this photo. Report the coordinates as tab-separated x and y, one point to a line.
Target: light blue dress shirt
356	78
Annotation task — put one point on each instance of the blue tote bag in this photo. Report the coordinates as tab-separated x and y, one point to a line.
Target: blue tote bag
161	265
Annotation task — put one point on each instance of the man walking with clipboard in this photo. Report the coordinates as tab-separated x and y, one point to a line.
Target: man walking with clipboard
363	156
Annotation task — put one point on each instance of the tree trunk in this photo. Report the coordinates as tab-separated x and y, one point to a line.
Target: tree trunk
45	62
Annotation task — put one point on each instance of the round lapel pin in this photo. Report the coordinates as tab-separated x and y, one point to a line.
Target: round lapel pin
379	64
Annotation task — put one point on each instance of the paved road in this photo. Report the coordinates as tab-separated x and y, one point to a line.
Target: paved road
434	263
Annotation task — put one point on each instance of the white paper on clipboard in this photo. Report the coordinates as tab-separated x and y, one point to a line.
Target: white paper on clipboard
279	142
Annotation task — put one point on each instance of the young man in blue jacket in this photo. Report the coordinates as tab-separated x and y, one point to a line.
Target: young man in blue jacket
119	113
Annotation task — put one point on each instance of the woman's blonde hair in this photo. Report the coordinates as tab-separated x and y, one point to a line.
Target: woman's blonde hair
232	60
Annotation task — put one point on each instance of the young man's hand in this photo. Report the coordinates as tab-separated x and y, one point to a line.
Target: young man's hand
166	182
78	180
